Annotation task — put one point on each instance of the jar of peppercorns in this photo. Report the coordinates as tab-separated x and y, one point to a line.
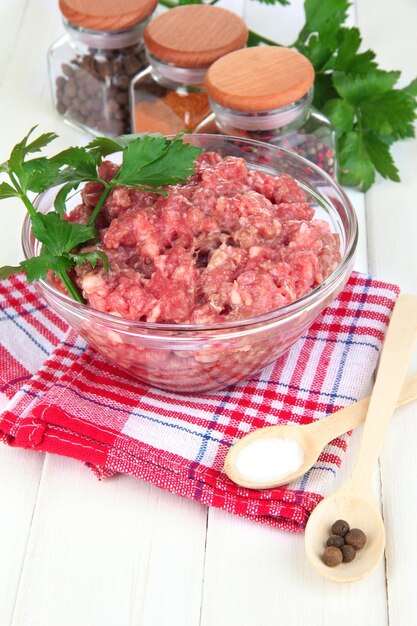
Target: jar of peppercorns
92	65
180	45
265	93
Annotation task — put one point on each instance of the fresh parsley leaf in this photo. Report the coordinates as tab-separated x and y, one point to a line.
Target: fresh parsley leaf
81	163
341	113
7	191
61	197
58	235
357	88
321	46
318	12
42	141
17	155
103	146
38	175
37	267
391	113
379	153
323	90
22	148
9	270
411	88
156	161
356	166
91	257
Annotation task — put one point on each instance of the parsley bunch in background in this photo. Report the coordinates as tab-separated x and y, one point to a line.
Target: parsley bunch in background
148	163
368	112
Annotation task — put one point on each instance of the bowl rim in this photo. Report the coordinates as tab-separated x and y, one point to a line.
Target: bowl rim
281	313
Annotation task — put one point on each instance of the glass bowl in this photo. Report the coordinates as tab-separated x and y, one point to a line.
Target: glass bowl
196	357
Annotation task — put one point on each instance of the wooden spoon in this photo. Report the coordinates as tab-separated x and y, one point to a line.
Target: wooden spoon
355	500
311	438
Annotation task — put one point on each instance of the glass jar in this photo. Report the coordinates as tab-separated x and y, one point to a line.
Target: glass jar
91	66
265	93
181	44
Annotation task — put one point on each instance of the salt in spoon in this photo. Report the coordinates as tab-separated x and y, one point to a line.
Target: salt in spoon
311	438
355	501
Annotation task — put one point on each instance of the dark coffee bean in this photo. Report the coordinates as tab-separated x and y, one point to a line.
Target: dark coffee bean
97	104
117	67
67	70
112	106
122	81
122	97
60	82
61	107
91	88
340	527
356	538
73	112
105	69
332	556
116	127
91	121
85	108
131	65
66	100
102	125
348	553
335	540
121	115
70	88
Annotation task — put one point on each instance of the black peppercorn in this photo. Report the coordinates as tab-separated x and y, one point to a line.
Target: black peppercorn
348	553
335	540
340	527
356	538
332	556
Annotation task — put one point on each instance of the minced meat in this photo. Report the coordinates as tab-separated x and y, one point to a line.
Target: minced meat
228	244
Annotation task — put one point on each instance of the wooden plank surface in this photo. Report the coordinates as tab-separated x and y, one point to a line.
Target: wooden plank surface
390	29
117	552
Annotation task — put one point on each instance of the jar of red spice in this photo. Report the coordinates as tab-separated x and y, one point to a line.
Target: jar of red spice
92	65
265	93
181	44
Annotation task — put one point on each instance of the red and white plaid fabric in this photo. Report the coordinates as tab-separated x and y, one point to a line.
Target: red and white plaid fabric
60	396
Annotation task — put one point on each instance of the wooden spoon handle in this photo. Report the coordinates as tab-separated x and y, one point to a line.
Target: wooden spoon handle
395	357
354	415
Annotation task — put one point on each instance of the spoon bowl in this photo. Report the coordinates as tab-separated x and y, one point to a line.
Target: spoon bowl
311	438
361	512
354	501
310	445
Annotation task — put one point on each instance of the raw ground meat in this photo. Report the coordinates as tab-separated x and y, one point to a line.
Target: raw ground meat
228	244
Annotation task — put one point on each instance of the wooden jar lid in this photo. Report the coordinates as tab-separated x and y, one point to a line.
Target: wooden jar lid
106	15
194	35
259	79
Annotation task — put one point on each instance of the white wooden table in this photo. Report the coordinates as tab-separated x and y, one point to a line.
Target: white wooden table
76	552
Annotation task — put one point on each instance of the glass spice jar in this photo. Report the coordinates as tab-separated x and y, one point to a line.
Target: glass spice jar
265	93
181	44
91	66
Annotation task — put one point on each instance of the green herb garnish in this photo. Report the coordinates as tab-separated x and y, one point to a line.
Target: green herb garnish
149	163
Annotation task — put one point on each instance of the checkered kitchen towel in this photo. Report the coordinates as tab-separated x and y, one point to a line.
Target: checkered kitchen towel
60	396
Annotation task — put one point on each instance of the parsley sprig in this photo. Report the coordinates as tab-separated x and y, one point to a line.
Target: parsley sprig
368	111
149	163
